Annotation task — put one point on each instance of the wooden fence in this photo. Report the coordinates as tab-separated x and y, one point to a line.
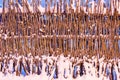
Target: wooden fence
75	33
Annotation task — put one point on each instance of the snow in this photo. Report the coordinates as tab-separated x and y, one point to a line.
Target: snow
43	77
41	9
63	63
1	10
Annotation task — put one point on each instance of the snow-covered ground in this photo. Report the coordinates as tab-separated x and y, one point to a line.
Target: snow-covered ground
65	63
43	77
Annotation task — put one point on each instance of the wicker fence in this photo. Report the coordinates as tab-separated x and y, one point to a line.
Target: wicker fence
68	32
